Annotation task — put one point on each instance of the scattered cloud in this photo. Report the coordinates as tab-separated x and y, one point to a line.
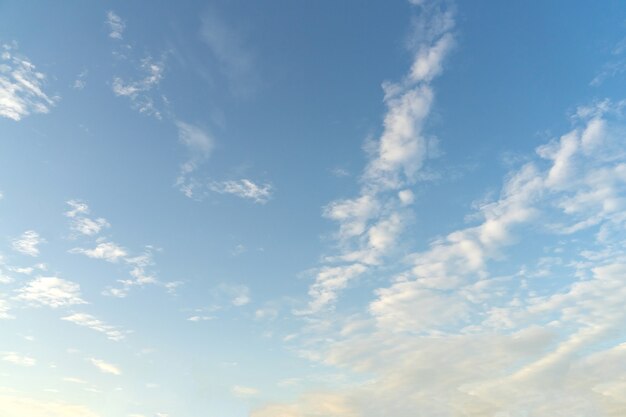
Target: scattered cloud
239	295
28	243
18	359
116	25
105	367
108	251
21	86
89	321
244	188
80	83
50	291
82	224
139	92
244	392
200	318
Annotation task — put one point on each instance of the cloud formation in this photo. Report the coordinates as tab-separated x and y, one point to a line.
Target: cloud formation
51	292
28	243
116	25
21	86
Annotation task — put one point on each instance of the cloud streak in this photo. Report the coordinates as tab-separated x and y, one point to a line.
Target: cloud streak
21	86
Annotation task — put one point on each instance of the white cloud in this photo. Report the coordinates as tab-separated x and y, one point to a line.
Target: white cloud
329	280
244	188
139	92
371	223
21	86
89	321
244	392
80	222
105	367
50	291
200	318
116	25
18	359
108	251
28	243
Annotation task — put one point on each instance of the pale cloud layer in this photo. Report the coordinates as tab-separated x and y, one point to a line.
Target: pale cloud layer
21	86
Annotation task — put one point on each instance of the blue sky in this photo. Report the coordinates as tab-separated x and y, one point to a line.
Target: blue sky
304	209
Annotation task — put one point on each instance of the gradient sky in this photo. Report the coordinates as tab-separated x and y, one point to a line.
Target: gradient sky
297	208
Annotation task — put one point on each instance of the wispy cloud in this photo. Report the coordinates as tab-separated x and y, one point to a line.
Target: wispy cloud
28	243
18	359
139	92
244	188
239	295
50	291
89	321
199	144
116	25
21	86
105	367
229	48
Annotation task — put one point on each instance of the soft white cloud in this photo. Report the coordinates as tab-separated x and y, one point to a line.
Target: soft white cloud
105	367
18	359
200	318
116	25
244	392
108	251
89	321
28	243
329	280
244	188
50	291
21	86
80	222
